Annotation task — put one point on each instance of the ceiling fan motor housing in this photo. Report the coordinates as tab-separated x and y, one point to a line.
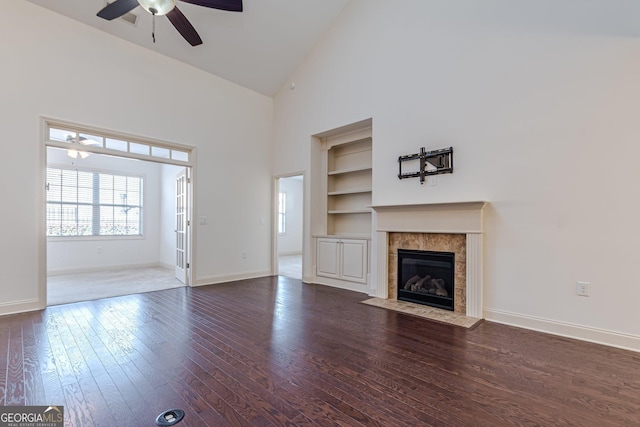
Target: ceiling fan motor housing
158	7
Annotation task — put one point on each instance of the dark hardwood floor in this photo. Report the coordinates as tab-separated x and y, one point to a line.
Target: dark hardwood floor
274	351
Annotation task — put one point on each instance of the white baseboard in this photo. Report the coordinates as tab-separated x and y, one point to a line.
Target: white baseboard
223	278
23	306
341	284
167	265
569	330
289	253
103	268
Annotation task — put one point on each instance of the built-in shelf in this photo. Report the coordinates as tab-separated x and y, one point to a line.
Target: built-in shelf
349	183
354	191
349	211
366	236
349	170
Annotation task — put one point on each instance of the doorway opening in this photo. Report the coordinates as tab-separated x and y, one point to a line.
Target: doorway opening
117	214
288	230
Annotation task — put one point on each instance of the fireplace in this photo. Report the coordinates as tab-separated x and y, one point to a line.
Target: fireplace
426	277
455	227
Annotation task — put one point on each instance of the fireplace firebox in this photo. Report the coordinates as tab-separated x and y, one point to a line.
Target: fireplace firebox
426	277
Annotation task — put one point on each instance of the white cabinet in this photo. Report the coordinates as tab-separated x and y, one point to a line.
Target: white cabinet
353	259
344	259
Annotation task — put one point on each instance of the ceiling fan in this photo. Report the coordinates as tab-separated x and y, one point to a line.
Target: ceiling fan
77	150
169	8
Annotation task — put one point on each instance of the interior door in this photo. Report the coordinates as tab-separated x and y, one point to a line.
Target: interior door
181	226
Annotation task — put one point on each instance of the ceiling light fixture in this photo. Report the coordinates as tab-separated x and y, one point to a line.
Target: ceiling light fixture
158	7
75	153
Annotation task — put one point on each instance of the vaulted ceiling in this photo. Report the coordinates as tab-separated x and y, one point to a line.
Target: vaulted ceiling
258	48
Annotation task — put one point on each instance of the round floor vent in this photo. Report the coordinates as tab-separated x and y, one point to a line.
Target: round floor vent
170	417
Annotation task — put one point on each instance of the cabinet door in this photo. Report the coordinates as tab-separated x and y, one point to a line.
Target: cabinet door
354	260
327	261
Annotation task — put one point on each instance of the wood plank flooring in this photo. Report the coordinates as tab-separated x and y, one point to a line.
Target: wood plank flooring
276	352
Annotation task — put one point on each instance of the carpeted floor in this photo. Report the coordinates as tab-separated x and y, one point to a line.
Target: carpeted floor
90	286
290	266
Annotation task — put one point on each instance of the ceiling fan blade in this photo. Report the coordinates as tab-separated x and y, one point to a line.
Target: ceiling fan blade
184	27
89	142
230	5
117	9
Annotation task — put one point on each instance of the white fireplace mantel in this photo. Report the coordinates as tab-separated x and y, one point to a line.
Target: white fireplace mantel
455	217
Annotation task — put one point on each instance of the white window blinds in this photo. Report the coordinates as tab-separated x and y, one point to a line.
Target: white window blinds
92	203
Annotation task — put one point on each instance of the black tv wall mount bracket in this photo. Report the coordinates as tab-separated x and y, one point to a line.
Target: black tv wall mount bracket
434	162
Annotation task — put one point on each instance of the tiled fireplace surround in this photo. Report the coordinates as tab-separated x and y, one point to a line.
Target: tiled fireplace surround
448	227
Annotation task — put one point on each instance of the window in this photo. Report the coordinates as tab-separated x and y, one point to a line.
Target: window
92	203
80	143
282	212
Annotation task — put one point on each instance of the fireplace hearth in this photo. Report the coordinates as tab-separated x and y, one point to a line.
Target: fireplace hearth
426	277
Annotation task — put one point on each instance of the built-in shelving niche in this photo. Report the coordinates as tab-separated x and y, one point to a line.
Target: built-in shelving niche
341	199
349	185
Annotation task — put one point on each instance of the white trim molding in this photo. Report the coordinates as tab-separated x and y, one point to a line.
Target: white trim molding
474	275
65	272
565	329
223	278
14	307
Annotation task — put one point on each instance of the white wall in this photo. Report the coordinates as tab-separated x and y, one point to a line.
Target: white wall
539	100
56	67
290	243
75	255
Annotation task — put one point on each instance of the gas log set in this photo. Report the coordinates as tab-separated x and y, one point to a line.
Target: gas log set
426	285
426	277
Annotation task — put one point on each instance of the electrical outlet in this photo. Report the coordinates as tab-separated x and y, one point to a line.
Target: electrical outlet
244	254
583	289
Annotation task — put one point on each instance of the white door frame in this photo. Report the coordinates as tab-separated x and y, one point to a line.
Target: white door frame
274	223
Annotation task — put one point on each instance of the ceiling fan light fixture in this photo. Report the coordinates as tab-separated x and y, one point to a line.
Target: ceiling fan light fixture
75	153
158	7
